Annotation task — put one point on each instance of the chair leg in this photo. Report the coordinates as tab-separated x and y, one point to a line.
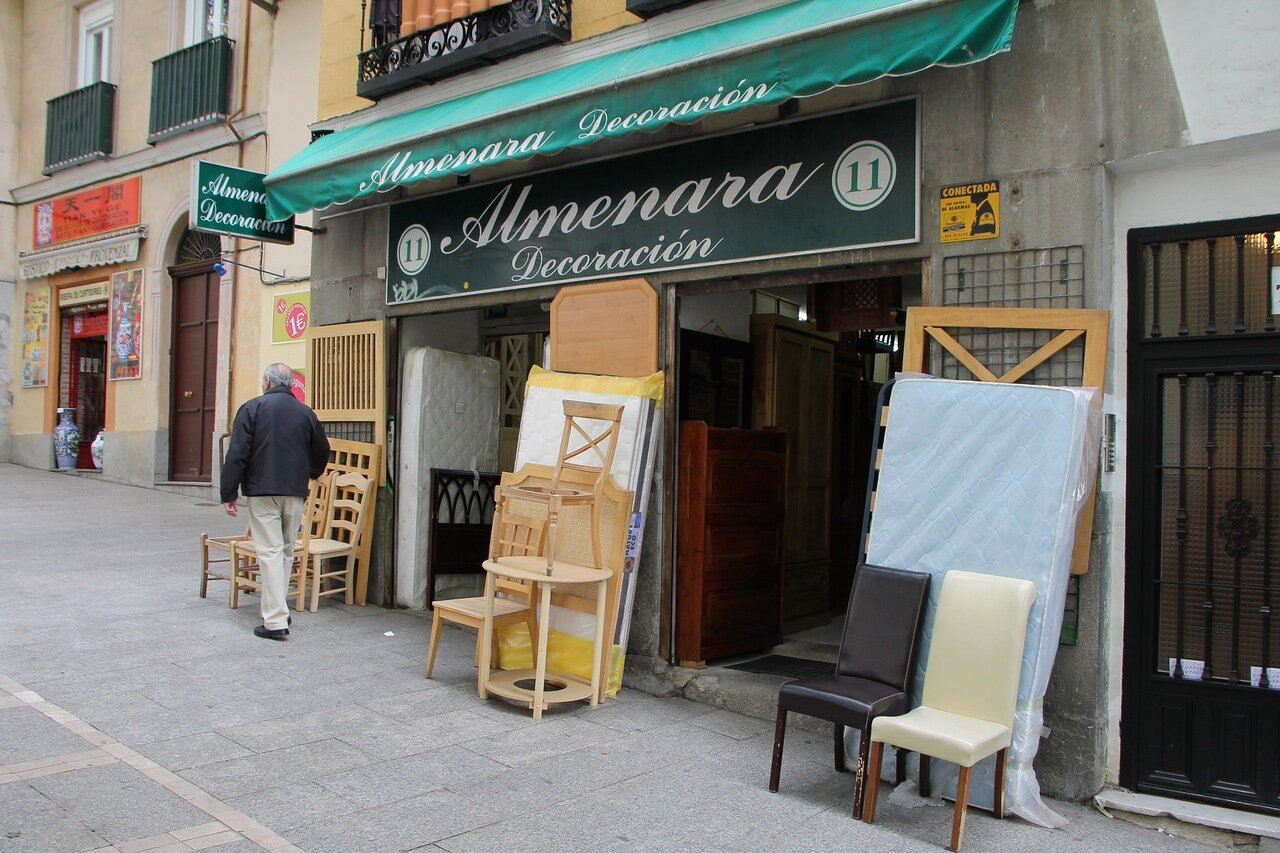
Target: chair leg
204	564
837	746
926	781
316	568
779	733
864	769
900	765
431	644
300	599
873	780
1001	758
962	807
350	580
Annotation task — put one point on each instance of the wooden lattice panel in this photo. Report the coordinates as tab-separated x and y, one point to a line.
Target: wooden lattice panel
347	380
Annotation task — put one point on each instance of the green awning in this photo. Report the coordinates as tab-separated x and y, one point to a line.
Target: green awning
797	49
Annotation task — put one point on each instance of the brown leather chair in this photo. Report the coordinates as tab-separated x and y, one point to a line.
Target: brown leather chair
875	669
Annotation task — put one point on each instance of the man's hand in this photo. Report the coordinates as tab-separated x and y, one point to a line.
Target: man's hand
231	508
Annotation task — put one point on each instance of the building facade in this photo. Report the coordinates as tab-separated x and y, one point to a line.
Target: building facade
143	329
1114	156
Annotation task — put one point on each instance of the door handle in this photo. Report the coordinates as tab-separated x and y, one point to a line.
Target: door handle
186	393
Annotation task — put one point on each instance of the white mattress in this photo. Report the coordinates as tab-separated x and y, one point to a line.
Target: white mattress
448	419
990	477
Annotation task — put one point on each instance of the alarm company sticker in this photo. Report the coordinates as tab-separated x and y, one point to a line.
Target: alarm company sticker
969	212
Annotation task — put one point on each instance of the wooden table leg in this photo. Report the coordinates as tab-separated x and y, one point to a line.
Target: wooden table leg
601	640
486	635
540	670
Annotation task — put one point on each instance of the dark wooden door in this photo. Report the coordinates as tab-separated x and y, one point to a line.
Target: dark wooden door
1201	713
731	509
194	357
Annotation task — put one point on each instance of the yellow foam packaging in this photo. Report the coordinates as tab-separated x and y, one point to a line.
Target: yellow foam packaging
566	653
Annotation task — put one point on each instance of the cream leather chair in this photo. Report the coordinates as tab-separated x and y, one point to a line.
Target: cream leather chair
970	687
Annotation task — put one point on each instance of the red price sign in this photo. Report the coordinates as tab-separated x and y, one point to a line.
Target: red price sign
295	321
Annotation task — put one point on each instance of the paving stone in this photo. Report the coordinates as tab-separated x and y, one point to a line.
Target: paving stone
401	778
292	805
192	750
119	803
32	823
268	769
26	733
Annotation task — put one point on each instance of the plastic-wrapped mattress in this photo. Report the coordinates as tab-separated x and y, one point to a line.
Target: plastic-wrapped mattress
448	419
990	477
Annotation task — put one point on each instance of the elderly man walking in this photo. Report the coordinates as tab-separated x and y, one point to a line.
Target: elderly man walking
277	444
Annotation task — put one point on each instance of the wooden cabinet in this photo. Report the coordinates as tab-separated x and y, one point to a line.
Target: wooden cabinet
793	381
731	506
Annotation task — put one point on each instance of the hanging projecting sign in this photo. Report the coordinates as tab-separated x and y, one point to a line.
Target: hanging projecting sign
969	212
231	201
837	182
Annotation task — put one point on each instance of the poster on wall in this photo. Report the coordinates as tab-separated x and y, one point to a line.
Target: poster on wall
299	385
124	346
290	317
35	339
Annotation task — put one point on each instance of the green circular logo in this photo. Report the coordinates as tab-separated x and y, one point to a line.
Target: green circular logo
864	175
413	250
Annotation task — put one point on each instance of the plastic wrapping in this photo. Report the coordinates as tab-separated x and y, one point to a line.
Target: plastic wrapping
541	428
990	477
567	652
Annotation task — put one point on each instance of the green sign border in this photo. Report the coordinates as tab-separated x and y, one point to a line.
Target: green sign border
215	191
747	195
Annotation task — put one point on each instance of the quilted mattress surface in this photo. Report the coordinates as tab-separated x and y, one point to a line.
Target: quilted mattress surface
448	419
990	477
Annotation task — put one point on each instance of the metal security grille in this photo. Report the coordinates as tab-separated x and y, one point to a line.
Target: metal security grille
1213	286
1033	278
350	430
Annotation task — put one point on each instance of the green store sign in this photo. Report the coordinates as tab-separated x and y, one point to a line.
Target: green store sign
842	181
231	201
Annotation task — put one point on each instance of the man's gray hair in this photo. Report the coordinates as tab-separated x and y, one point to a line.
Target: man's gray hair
278	376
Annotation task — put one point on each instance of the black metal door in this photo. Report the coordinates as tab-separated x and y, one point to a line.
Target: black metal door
1201	709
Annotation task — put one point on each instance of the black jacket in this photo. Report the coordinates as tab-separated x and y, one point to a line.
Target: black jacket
277	443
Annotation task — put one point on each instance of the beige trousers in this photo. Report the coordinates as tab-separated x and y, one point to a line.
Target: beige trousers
273	524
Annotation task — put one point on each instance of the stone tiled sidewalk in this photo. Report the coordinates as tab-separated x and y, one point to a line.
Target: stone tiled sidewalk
136	716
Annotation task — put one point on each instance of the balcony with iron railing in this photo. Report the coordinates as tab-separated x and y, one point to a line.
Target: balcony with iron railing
446	37
79	127
189	88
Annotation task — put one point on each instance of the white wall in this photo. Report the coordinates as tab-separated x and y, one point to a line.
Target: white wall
1226	60
1221	180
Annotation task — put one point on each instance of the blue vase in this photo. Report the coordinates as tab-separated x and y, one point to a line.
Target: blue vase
66	439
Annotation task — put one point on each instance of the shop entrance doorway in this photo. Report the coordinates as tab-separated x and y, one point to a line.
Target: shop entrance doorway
1201	713
87	377
804	353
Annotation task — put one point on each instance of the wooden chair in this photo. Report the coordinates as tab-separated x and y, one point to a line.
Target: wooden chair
595	427
510	536
244	557
210	565
970	688
875	670
350	507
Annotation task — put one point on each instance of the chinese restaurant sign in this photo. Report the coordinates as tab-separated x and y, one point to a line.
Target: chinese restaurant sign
231	201
84	214
124	346
835	182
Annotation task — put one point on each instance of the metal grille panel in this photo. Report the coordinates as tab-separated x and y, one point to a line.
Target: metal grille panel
1212	286
189	88
1033	278
1220	527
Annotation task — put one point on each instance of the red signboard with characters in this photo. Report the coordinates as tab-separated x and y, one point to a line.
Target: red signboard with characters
299	387
83	214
